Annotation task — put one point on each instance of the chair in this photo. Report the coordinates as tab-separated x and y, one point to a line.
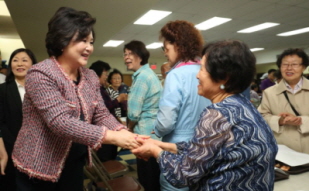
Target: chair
113	168
98	174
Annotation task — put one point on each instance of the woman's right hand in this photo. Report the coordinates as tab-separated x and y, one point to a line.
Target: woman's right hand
3	157
123	138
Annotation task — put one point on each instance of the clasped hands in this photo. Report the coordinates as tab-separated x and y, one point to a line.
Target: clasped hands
147	148
289	119
141	145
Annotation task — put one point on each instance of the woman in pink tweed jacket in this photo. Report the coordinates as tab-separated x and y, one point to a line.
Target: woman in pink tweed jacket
63	110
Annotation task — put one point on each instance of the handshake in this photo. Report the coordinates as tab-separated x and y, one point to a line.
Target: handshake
141	145
147	148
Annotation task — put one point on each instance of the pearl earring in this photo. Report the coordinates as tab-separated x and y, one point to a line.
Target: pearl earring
222	86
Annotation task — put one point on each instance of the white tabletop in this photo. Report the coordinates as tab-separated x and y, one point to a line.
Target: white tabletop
299	182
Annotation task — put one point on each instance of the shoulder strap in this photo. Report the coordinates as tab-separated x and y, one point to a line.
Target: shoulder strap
287	98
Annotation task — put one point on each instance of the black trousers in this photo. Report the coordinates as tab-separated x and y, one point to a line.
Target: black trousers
107	152
72	178
148	173
7	181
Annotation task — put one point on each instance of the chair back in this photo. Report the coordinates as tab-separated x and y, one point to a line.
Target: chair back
99	175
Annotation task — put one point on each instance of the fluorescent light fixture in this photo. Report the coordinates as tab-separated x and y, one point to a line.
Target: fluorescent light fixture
113	43
258	27
298	31
154	45
256	49
213	22
151	17
3	9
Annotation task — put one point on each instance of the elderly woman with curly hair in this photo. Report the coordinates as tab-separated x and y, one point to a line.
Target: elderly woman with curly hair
180	105
233	148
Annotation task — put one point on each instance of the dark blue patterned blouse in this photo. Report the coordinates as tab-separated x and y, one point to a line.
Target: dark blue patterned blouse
233	149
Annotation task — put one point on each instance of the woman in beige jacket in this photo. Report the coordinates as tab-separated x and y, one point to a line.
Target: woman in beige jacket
290	126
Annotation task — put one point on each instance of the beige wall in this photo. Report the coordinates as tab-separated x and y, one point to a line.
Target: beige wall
262	68
7	46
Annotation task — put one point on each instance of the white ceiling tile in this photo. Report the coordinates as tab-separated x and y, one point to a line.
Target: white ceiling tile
115	20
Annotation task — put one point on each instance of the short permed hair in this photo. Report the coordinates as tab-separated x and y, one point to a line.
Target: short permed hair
138	48
233	61
115	71
99	67
64	25
185	36
293	51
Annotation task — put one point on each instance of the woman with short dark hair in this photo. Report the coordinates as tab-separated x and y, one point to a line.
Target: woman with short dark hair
11	98
285	105
115	79
143	102
233	148
64	116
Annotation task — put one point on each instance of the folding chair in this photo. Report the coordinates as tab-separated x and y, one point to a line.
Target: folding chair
97	174
113	168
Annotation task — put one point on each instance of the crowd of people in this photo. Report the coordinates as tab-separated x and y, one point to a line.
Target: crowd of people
195	131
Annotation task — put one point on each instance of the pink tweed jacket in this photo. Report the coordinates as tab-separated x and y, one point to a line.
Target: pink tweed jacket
51	119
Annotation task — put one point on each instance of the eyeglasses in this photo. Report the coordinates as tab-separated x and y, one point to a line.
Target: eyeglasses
294	66
128	54
163	48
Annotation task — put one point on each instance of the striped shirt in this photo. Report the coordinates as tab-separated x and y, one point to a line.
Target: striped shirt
113	94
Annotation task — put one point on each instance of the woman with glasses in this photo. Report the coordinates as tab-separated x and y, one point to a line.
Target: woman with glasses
143	102
180	106
285	105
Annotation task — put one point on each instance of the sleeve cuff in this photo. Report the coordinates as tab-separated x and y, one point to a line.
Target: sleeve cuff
274	123
304	128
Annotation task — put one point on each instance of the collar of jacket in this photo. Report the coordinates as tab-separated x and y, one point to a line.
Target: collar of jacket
81	73
281	86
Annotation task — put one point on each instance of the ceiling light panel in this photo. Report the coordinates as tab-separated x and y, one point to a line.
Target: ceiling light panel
213	22
258	27
113	43
3	9
294	32
154	45
256	49
151	17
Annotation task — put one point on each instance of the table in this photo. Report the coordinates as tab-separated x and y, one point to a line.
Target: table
299	182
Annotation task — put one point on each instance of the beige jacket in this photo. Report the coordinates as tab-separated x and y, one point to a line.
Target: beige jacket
274	103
